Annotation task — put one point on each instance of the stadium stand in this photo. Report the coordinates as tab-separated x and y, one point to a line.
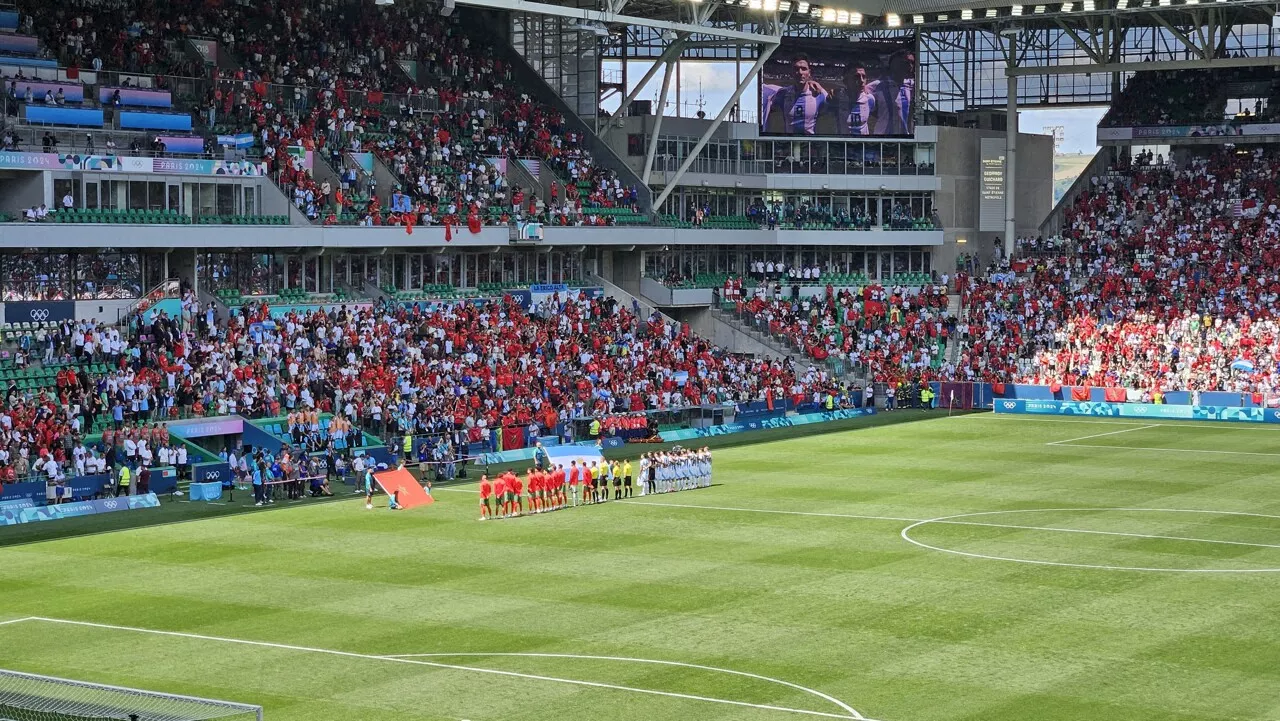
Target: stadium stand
1170	281
358	358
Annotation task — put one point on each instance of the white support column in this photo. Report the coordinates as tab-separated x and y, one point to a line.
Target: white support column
657	125
766	51
1011	150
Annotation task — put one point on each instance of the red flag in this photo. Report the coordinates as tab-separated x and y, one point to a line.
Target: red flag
408	225
1115	395
1055	387
448	232
473	223
1079	393
768	398
998	389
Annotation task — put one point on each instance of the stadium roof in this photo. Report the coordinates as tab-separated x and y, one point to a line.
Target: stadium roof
908	13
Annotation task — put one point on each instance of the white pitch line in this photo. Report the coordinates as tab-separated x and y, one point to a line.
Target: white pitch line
1064	444
433	664
1108	433
852	712
17	620
906	536
995	525
1168	423
1103	533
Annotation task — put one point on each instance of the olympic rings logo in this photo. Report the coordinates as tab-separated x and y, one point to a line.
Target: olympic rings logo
39	314
212	476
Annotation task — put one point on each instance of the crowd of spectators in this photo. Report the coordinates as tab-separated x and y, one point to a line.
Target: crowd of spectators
1169	281
1170	97
889	334
465	371
1164	279
326	78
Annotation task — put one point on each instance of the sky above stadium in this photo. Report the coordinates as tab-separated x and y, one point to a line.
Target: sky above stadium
706	86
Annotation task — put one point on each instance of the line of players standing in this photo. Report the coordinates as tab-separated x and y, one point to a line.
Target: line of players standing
540	490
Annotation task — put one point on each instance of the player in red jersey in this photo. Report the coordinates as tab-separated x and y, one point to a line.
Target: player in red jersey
517	489
558	482
588	485
486	494
575	478
499	495
533	480
544	490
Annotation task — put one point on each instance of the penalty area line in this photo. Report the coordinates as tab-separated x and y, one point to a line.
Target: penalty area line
657	662
434	664
1108	433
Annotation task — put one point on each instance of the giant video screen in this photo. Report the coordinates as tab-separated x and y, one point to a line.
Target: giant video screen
836	88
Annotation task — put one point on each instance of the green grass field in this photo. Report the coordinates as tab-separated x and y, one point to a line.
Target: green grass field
1118	571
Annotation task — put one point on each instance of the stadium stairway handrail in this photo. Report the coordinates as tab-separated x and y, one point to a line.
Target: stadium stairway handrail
167	288
612	289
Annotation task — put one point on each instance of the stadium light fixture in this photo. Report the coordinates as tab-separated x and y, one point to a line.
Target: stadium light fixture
769	5
1088	6
1039	10
1192	2
1016	10
893	20
784	6
802	8
1122	4
1068	7
755	4
842	17
966	14
991	12
828	15
917	19
943	17
855	18
1165	3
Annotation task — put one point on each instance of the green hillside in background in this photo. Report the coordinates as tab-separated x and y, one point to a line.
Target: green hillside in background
1066	168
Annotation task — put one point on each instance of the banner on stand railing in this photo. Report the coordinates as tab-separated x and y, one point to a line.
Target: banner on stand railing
1138	410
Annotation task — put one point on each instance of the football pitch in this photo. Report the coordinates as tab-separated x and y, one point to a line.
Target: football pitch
976	568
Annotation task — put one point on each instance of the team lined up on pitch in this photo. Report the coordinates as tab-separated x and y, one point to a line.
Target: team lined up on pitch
541	490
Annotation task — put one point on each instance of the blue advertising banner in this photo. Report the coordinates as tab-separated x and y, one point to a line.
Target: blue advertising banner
164	479
688	434
202	428
33	514
217	472
204	492
549	288
34	490
52	513
1138	410
11	511
147	500
154	121
85	486
39	311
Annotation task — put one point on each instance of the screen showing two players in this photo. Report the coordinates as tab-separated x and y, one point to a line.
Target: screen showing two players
832	87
